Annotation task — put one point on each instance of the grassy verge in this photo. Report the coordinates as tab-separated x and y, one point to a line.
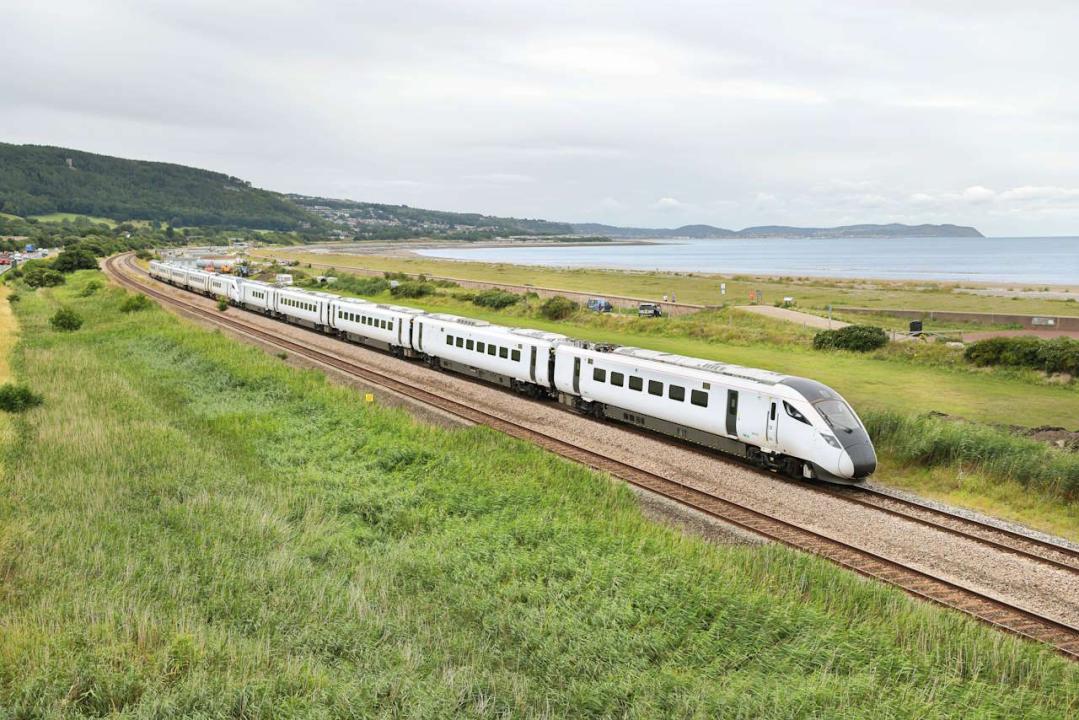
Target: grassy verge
194	528
702	289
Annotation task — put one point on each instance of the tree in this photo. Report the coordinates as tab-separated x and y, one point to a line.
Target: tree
42	277
74	258
66	320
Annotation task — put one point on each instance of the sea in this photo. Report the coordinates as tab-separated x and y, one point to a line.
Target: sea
1029	260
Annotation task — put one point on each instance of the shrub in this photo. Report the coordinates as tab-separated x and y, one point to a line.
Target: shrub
144	254
74	258
13	298
859	338
91	287
135	303
362	285
496	299
412	289
1059	355
464	296
558	308
16	398
43	277
66	320
222	303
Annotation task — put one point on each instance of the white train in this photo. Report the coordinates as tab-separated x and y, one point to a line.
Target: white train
780	422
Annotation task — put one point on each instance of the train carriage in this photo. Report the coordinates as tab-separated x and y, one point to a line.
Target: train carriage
257	295
384	326
514	357
159	270
763	416
198	281
304	307
225	286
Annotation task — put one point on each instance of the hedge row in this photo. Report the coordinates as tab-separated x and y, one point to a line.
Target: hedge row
1059	355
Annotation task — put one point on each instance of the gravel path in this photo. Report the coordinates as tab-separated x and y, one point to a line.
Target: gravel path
794	316
1029	584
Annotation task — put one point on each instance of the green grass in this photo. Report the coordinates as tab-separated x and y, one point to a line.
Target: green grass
61	217
194	529
704	289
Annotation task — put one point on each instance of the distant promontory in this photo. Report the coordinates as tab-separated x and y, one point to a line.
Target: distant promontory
893	230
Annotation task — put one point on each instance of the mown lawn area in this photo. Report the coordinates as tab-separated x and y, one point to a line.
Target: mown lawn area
702	289
188	527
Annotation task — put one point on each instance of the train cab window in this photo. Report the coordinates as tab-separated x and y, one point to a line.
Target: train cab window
480	347
617	379
470	345
699	398
599	374
503	353
460	342
676	392
793	412
515	355
655	387
449	339
635	383
492	350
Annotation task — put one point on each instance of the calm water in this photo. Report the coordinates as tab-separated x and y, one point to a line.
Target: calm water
1047	261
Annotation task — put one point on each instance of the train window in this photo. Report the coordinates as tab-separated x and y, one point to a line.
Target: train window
480	347
793	412
460	342
599	374
503	353
676	392
655	387
449	339
515	355
635	383
492	349
773	411
470	345
699	397
617	378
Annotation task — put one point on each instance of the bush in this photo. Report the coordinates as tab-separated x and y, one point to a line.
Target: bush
135	303
13	298
1059	355
74	258
858	338
496	299
558	308
362	285
222	303
66	320
144	254
91	287
16	398
412	289
43	277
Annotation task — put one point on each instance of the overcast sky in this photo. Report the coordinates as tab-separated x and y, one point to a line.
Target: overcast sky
642	113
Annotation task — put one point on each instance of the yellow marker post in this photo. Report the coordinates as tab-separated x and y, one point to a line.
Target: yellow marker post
369	397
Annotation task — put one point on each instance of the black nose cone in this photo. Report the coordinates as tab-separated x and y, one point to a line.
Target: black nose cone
863	458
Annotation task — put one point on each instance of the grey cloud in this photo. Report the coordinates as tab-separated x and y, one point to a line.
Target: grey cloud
812	113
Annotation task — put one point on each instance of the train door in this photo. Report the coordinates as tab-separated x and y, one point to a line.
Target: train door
772	425
577	375
532	364
732	413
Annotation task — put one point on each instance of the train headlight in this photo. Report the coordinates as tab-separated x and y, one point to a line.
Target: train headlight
831	441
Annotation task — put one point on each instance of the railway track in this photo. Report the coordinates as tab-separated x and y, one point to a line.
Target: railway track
993	611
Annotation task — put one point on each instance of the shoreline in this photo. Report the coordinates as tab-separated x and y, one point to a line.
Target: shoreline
409	248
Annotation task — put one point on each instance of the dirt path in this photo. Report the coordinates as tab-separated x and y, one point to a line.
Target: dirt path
794	316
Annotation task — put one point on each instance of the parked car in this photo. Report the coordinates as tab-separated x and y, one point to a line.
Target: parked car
649	310
600	305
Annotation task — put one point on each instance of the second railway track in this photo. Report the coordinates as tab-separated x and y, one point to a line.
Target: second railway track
994	611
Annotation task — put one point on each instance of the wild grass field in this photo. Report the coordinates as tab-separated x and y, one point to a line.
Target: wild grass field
189	527
973	465
62	216
810	293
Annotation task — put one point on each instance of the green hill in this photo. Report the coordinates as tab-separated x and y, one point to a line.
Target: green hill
37	180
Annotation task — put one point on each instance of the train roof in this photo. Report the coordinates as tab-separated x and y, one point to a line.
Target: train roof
766	377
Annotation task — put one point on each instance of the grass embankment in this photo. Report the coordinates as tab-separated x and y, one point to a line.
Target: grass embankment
194	528
72	217
9	335
968	464
702	289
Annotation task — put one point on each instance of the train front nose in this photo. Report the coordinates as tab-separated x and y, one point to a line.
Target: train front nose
858	460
